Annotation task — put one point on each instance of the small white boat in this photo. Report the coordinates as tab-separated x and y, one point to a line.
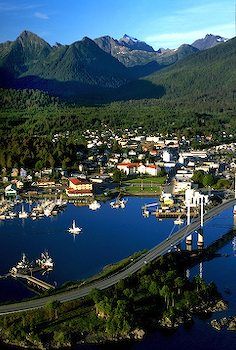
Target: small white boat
178	221
2	217
119	203
23	214
12	214
74	229
235	210
94	205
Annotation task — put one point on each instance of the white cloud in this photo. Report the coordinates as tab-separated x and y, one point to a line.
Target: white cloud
41	15
173	40
5	7
187	24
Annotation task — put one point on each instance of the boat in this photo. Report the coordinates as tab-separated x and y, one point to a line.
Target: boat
178	221
235	209
74	229
94	205
45	261
119	203
23	264
2	217
12	214
48	209
23	214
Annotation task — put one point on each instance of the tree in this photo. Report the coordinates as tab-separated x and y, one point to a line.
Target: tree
165	292
53	307
179	284
118	176
198	177
208	180
39	165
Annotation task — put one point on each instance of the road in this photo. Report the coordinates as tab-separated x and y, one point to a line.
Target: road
109	281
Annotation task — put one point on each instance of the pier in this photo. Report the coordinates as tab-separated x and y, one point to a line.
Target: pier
34	281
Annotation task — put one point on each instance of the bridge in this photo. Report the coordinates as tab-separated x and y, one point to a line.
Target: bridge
111	280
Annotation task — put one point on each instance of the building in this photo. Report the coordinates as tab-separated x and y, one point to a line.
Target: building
139	168
79	188
128	168
167	199
10	191
166	156
181	186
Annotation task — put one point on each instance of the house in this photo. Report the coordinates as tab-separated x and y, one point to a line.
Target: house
23	173
79	188
166	156
181	186
10	191
19	185
14	172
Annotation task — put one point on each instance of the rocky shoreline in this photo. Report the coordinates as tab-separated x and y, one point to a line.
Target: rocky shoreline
225	323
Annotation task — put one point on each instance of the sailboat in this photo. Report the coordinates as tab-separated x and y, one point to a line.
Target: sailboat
23	214
74	229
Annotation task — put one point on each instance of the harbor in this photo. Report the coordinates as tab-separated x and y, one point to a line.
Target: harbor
107	236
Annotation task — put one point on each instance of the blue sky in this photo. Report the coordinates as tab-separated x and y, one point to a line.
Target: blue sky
166	23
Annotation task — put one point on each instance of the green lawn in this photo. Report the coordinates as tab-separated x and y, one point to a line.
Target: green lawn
148	180
138	191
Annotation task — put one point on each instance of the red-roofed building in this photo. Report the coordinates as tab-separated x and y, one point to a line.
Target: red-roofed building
79	188
138	168
128	168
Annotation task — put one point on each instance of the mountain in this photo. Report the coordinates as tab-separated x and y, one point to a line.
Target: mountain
28	49
30	62
209	41
132	52
135	44
206	76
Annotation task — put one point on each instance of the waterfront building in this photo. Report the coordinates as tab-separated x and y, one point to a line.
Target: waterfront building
79	188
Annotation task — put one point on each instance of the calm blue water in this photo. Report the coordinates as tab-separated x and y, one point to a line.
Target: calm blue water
108	236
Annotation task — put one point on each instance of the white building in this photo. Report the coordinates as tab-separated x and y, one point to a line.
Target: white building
166	156
10	191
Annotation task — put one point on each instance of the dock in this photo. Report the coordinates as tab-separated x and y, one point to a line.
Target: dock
173	214
34	281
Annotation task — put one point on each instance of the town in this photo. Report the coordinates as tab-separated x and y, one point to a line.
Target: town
121	163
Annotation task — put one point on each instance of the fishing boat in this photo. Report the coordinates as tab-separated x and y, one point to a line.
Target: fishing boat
94	205
74	229
45	261
118	203
23	214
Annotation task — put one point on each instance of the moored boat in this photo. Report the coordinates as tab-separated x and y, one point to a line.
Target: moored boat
74	229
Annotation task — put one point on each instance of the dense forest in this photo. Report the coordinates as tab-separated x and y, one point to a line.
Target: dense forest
30	118
159	295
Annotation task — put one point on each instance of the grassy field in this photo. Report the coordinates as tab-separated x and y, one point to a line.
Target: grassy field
145	191
148	180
